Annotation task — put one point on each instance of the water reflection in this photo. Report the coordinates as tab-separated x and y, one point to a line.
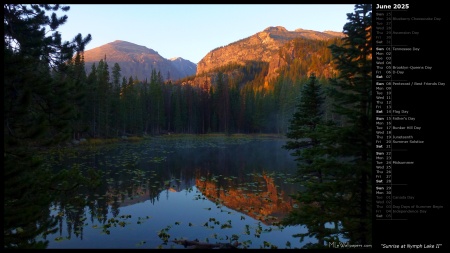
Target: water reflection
258	198
165	189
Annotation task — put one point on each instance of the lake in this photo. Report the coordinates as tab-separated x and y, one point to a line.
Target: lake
211	188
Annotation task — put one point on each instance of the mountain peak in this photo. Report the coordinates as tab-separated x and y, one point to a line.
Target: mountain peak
260	47
176	59
126	46
137	61
119	41
275	29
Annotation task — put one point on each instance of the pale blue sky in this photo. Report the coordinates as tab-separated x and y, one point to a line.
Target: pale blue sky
191	31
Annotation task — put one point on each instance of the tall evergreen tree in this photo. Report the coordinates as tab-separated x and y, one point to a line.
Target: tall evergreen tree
115	100
222	103
308	115
35	113
177	109
77	89
123	107
352	142
205	106
336	159
103	97
156	102
147	104
92	106
314	174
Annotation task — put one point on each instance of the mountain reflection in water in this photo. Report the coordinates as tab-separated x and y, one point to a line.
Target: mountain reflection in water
174	188
265	202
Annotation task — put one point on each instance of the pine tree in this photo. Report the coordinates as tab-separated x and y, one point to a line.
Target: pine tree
103	97
116	119
335	160
307	117
222	103
156	102
177	109
92	105
305	135
352	141
205	106
77	84
35	113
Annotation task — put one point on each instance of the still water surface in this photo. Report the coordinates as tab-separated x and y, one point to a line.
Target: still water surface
212	189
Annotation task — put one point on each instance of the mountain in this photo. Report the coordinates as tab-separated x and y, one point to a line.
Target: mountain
268	46
260	47
138	61
185	67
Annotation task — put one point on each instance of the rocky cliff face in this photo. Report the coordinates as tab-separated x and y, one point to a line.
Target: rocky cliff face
137	61
261	47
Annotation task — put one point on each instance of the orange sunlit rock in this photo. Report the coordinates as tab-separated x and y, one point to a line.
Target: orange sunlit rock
268	205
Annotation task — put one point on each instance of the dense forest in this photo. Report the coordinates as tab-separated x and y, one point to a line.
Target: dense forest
49	100
108	105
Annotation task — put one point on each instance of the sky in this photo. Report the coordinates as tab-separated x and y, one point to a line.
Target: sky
191	31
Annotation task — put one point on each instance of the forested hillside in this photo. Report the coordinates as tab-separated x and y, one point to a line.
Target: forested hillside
234	98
